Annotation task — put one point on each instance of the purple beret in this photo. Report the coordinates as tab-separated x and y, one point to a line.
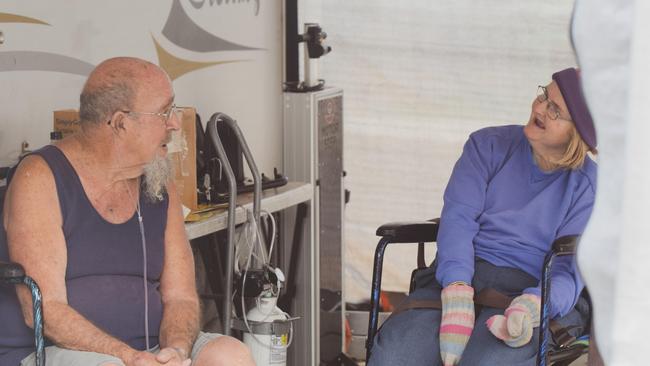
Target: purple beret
569	84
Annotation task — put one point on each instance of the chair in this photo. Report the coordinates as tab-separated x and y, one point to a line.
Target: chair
12	274
568	348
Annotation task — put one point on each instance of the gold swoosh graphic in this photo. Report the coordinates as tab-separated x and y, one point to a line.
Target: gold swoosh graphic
176	66
14	18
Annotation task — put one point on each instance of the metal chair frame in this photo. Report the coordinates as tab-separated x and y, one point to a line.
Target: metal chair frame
13	273
427	232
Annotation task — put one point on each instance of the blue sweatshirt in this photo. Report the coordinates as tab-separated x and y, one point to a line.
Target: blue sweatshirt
499	206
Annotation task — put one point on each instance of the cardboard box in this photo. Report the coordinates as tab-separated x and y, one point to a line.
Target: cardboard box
66	121
181	150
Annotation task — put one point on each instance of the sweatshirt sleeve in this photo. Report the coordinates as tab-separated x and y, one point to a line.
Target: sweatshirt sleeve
566	284
464	200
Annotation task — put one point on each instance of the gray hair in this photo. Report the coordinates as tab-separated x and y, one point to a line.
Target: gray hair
112	86
98	104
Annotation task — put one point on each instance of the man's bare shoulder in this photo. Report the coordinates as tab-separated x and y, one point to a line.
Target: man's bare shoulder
32	171
32	191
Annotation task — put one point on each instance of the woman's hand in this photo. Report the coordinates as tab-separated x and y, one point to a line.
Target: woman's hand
457	321
515	327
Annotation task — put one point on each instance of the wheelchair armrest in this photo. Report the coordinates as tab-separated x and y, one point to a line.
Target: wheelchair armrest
565	245
410	232
11	272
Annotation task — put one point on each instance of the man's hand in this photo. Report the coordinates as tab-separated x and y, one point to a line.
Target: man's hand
166	357
173	356
142	358
515	328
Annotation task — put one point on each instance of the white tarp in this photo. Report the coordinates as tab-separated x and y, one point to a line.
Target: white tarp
419	76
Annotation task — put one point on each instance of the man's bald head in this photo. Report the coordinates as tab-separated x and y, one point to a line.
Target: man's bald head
114	85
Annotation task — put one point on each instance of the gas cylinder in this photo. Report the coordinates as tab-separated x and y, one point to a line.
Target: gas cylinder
267	349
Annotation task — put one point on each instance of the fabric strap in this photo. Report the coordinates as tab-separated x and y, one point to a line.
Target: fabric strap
494	299
487	297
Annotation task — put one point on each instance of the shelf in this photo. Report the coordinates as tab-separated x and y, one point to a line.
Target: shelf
273	200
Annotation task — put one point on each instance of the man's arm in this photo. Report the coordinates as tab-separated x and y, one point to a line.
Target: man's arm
180	320
35	238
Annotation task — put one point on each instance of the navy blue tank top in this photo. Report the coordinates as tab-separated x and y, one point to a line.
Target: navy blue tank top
104	278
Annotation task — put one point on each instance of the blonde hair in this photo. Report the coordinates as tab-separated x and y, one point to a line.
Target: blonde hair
575	153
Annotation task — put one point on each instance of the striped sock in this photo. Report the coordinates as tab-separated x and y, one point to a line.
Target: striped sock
457	322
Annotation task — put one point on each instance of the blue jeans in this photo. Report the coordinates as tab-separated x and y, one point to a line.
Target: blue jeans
410	338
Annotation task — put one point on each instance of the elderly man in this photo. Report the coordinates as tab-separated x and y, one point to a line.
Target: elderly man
97	223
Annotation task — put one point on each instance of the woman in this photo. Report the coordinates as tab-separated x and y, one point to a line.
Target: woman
512	192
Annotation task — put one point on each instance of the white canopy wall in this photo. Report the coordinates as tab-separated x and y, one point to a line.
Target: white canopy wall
418	77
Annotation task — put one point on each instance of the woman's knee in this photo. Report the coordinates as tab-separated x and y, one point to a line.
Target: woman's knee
224	350
489	351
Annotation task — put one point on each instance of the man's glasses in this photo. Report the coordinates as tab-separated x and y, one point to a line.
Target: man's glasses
552	110
165	116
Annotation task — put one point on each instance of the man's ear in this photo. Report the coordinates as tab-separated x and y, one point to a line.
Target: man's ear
117	121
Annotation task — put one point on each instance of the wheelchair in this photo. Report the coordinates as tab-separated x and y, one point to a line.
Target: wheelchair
565	349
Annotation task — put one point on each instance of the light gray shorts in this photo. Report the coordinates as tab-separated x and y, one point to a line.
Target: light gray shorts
56	356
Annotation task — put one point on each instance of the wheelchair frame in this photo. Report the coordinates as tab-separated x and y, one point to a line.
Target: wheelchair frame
427	232
13	273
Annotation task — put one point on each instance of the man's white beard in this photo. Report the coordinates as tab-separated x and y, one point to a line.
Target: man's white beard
156	175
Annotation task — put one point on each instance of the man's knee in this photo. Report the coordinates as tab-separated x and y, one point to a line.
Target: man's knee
224	351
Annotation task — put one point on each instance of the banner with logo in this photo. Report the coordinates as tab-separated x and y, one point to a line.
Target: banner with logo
222	55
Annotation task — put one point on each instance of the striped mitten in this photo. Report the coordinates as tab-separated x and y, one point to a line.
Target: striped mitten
515	327
457	322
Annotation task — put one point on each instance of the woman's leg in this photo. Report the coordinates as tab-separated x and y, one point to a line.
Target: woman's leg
409	338
484	349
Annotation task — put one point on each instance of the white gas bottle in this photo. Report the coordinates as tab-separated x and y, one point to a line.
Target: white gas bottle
267	349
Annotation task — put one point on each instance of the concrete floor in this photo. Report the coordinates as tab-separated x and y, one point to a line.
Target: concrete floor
582	361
